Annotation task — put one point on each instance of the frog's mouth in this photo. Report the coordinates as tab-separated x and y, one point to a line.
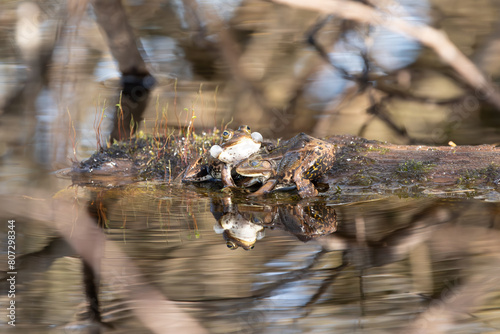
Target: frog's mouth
234	243
235	153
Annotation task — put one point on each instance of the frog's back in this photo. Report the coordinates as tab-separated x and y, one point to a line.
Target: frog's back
302	147
295	143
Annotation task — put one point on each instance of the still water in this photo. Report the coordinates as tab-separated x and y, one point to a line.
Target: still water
376	264
173	258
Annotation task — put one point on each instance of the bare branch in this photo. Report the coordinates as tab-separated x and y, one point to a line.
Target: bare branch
157	313
428	36
111	17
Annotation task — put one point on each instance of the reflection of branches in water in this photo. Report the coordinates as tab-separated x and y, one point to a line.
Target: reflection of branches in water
290	277
91	282
268	290
389	249
40	261
147	302
333	273
392	248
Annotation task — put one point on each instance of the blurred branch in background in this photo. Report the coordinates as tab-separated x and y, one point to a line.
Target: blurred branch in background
274	82
224	47
136	81
35	43
364	82
428	36
335	69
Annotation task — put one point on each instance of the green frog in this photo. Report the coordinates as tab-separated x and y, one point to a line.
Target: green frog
236	146
242	225
238	231
296	162
308	221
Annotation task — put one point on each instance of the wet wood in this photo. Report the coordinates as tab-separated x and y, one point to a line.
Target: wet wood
359	164
363	162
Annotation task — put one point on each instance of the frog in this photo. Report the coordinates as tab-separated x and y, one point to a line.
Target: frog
234	227
243	224
257	169
292	164
308	220
235	146
238	231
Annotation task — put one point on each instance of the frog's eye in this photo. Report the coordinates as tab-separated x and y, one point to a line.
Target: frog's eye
231	245
226	135
251	247
245	128
254	163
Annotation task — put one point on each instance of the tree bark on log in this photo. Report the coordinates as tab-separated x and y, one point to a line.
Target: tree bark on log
364	162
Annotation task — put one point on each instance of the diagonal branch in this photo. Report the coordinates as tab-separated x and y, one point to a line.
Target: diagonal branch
428	36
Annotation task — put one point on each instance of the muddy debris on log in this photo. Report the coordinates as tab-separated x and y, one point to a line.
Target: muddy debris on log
145	157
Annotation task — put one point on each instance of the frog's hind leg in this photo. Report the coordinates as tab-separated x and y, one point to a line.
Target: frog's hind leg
306	171
265	189
305	187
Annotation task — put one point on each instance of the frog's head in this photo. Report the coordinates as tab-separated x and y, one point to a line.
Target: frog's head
256	166
238	231
237	145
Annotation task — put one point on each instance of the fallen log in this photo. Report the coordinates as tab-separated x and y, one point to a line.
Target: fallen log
361	165
366	163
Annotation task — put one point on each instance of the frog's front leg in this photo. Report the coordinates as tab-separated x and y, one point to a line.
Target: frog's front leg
266	188
227	180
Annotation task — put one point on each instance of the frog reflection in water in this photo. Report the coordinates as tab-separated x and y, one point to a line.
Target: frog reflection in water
243	225
298	161
238	231
236	146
